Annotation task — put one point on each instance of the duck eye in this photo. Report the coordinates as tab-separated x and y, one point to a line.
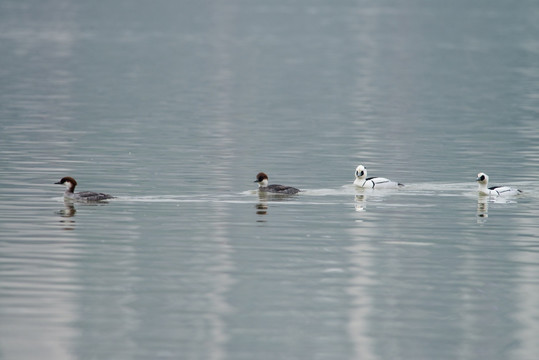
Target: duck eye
482	177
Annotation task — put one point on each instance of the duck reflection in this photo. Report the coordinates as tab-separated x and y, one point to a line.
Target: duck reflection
362	194
67	213
264	198
482	208
483	204
68	210
261	209
361	202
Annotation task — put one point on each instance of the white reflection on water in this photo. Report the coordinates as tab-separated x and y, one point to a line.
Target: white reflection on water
362	304
482	209
382	247
483	203
223	266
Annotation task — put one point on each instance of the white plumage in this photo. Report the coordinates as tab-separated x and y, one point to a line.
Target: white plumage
373	182
482	180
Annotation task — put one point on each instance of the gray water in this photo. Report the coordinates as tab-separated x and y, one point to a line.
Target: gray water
174	106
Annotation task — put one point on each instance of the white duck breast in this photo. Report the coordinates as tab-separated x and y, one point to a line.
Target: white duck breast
482	180
373	182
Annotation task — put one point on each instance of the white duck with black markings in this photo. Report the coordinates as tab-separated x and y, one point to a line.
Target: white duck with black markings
482	180
373	182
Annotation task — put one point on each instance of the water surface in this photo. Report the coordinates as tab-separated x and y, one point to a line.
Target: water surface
174	107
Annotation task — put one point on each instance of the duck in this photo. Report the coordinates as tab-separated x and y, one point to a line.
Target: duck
262	180
482	180
87	196
373	182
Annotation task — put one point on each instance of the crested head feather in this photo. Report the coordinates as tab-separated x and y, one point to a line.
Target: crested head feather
482	178
361	171
69	182
261	177
68	179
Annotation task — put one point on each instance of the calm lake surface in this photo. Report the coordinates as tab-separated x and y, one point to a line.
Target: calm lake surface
174	106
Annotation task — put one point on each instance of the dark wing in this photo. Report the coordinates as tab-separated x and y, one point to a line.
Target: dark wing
92	196
282	189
